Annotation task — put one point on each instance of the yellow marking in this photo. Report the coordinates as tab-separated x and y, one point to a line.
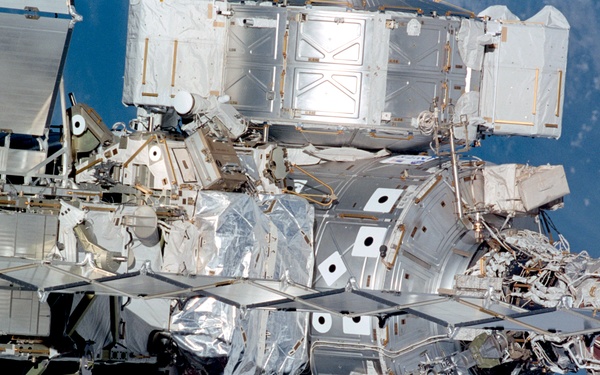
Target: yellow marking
508	122
174	182
174	68
390	265
407	138
418	200
334	2
504	34
337	132
136	153
448	58
90	165
560	77
282	83
398	7
285	44
143	189
358	216
145	61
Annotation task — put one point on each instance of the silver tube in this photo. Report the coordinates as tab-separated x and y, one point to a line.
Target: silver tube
455	174
66	159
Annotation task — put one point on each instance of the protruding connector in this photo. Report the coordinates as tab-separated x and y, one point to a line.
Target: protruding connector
187	104
75	17
351	285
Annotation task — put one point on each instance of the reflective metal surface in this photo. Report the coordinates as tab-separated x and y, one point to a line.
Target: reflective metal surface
208	235
30	71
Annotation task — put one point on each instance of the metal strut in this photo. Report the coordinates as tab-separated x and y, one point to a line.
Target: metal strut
453	155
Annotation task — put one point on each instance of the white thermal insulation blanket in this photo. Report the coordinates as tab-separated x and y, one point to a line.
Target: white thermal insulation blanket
173	46
469	46
514	188
522	89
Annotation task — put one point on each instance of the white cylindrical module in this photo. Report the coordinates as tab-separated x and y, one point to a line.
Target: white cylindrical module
187	104
145	225
414	244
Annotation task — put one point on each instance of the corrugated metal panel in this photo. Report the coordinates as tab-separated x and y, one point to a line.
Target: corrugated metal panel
19	162
27	235
30	67
8	227
47	6
23	314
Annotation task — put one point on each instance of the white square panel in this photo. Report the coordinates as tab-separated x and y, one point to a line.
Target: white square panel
322	322
332	268
383	200
368	240
360	325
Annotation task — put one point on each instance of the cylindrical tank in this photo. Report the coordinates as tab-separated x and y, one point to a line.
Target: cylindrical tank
187	104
